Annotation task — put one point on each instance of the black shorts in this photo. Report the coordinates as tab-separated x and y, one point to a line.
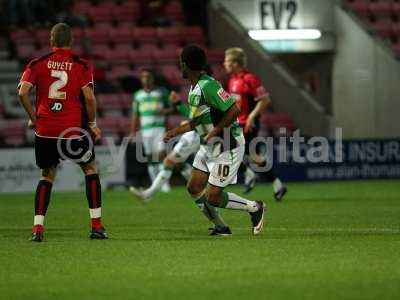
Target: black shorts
49	151
249	137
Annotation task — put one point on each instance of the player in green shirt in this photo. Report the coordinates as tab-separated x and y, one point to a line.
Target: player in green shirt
213	114
149	110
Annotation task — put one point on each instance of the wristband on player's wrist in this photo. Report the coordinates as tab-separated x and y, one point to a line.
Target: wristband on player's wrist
92	124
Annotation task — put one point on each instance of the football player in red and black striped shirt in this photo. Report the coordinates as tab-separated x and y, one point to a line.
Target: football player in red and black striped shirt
252	99
64	120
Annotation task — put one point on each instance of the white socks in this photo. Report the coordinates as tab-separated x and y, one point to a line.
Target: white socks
158	182
237	202
277	185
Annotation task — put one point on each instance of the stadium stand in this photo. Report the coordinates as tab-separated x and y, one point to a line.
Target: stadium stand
382	17
120	37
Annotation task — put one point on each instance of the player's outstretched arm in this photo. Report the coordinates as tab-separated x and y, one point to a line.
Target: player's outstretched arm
90	103
23	95
229	117
184	127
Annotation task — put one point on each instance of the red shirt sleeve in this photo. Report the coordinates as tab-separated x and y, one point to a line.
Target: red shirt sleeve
87	76
29	75
256	88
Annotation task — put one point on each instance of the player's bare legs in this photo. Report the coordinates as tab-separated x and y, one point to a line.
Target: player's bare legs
42	200
93	195
196	187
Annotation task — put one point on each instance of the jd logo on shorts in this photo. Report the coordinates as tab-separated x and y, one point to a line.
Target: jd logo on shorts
57	106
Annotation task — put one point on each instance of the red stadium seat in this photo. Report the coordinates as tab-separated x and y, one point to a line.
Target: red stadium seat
25	51
119	71
122	34
126	100
147	35
174	11
396	31
42	36
21	36
77	34
98	35
361	7
170	35
168	55
100	49
77	50
194	35
142	58
218	72
215	55
81	8
102	12
172	74
121	55
382	27
125	125
128	12
380	9
13	132
396	9
41	52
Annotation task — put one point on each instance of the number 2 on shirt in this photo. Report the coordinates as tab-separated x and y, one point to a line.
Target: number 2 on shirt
54	89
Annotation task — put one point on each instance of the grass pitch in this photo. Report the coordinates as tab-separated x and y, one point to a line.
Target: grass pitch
338	240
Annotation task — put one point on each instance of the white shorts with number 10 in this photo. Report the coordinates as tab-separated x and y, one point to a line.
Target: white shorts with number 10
223	167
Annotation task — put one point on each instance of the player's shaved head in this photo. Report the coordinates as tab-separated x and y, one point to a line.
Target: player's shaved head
237	54
61	36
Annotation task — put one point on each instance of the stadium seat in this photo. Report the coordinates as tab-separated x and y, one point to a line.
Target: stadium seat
396	31
126	100
168	55
218	71
215	55
13	132
383	27
100	49
142	58
125	125
193	35
122	34
147	35
396	10
119	71
361	7
128	12
120	54
102	12
25	51
77	33
170	35
42	36
81	8
98	34
274	121
21	36
380	9
172	74
174	11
